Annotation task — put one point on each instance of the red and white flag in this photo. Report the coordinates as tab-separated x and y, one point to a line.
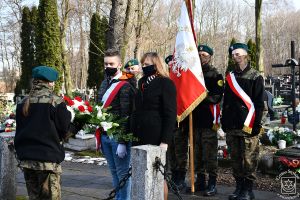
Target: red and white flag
186	71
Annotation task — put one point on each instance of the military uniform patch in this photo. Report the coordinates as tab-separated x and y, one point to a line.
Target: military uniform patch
220	83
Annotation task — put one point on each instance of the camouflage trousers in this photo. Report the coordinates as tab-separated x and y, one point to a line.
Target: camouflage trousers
206	152
42	184
244	152
177	154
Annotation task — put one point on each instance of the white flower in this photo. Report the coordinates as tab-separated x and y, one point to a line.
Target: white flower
270	135
99	113
106	125
276	128
298	133
281	130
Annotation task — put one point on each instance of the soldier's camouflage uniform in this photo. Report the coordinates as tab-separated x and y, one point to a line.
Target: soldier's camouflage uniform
43	180
38	141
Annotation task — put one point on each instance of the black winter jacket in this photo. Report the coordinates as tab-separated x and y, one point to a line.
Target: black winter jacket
155	114
234	110
38	136
202	116
122	105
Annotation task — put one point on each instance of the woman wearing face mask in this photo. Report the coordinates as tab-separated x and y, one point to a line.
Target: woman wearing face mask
155	104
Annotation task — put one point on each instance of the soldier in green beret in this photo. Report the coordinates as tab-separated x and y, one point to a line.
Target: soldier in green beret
242	113
42	122
206	123
177	153
132	72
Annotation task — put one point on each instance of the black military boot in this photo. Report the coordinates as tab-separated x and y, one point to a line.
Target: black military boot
211	189
239	184
251	193
180	182
246	192
174	174
200	184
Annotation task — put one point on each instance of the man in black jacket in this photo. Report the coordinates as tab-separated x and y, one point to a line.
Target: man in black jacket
118	95
206	123
242	112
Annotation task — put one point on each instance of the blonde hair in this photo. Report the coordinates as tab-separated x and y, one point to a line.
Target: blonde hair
157	61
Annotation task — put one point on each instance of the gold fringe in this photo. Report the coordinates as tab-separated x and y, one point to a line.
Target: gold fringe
247	129
191	107
216	127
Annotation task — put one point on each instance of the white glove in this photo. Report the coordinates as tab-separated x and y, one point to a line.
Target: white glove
221	133
72	113
164	146
121	150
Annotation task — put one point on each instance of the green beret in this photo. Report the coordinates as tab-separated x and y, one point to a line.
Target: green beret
45	73
131	63
207	49
168	59
237	46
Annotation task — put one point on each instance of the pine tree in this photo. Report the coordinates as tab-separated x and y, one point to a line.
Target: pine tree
27	49
252	53
48	38
231	64
99	27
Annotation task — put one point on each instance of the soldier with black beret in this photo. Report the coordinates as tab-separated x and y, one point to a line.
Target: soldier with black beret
242	112
206	123
42	122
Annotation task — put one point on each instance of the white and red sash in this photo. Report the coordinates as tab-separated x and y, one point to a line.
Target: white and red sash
107	98
237	90
111	92
215	111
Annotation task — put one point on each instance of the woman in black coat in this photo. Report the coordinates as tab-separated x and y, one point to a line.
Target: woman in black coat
155	104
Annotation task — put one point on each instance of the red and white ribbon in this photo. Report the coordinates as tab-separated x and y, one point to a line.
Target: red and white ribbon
236	88
215	111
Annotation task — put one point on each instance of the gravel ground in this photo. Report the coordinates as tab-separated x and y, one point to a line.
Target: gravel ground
264	182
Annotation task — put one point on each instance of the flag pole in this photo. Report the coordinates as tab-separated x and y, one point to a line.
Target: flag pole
191	139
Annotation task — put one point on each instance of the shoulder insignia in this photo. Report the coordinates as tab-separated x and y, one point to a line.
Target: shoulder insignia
220	83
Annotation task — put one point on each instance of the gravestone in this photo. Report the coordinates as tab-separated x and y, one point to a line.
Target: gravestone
147	182
8	167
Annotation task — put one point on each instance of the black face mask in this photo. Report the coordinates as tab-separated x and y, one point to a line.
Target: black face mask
149	70
111	71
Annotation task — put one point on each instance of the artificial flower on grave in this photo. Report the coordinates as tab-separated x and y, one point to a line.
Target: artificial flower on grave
282	133
277	101
288	163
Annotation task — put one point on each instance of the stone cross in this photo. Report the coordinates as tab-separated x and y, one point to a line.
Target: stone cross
147	182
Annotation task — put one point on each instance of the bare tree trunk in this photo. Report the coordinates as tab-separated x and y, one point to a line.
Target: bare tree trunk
258	32
138	29
116	24
65	62
127	31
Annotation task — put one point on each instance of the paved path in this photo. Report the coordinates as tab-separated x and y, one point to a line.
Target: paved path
90	182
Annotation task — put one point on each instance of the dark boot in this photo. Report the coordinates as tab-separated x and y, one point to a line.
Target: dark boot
174	175
245	192
200	184
211	190
239	183
180	182
251	193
